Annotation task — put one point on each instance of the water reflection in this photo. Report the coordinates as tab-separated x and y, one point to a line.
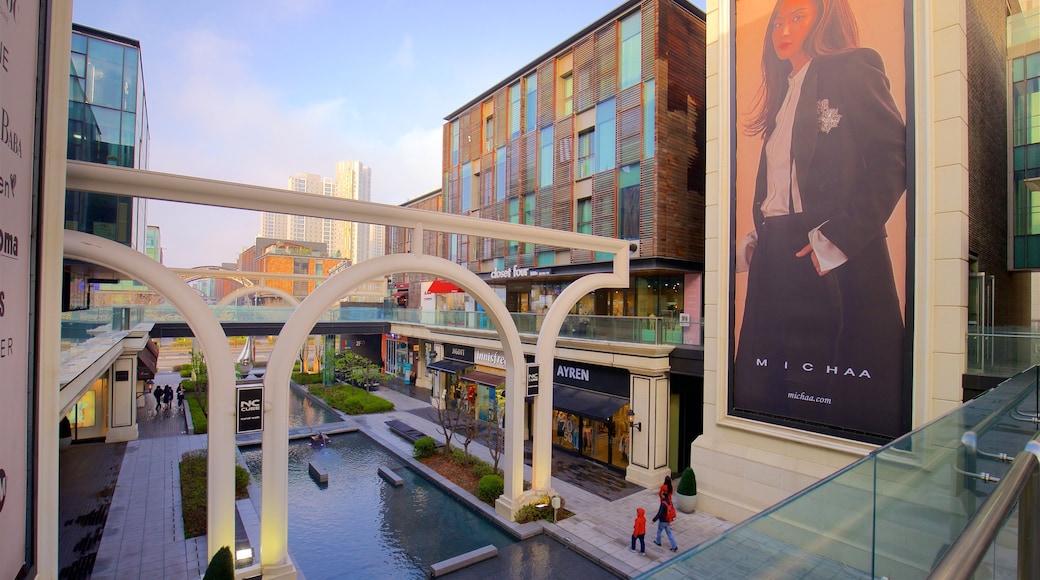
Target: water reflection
361	524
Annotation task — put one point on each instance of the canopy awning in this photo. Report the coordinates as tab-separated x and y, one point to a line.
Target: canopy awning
585	403
449	366
147	361
489	379
442	287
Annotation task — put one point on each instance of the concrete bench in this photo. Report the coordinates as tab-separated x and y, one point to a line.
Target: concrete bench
318	473
406	431
390	476
462	560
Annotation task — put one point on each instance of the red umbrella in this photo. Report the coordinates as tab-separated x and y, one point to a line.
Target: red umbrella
442	287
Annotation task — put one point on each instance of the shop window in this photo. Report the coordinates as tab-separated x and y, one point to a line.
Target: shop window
531	104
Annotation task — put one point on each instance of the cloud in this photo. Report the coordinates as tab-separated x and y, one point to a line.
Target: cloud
404	57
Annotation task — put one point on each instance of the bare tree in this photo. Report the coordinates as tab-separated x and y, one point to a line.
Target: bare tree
447	419
495	443
470	430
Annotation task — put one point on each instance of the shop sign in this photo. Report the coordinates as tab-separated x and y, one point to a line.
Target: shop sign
250	409
596	378
517	272
458	352
490	358
532	379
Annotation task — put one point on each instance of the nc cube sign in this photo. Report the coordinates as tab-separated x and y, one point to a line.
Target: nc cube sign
532	379
249	409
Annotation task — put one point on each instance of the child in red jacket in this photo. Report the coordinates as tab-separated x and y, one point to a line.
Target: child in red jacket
639	531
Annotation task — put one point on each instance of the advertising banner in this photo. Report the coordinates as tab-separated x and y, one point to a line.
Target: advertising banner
250	409
822	168
19	35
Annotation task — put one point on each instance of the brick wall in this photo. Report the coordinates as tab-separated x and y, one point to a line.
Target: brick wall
987	154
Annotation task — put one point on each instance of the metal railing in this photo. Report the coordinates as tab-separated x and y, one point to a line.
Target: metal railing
1002	350
77	325
897	512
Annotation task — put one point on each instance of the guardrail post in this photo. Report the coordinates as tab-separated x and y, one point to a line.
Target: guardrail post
1029	525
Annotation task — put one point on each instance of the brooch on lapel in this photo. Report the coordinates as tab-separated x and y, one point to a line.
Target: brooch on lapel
827	117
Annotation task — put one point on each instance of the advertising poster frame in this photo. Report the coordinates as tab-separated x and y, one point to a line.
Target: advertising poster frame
821	271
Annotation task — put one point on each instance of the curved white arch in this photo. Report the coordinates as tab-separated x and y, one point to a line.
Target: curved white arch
220	516
274	510
267	290
541	446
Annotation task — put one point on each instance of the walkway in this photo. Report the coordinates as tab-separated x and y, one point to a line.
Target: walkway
144	537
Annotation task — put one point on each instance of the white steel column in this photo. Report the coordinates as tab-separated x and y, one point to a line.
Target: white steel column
220	516
274	510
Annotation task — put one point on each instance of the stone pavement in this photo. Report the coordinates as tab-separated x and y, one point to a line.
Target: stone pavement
144	537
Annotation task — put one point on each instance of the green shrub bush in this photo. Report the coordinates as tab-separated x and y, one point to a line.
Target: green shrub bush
351	400
424	447
193	468
480	469
307	378
687	483
532	513
185	371
222	566
490	487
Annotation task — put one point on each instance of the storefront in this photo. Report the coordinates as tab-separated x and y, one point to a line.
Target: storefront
445	373
590	408
398	356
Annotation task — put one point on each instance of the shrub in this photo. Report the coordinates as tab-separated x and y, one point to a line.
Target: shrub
307	378
185	371
193	470
480	469
351	400
221	567
425	447
490	487
532	513
242	478
687	483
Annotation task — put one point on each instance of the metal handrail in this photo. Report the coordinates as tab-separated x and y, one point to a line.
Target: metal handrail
1020	486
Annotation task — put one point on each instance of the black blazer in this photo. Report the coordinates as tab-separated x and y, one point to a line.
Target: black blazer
849	147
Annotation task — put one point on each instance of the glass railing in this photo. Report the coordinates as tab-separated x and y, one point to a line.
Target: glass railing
1002	350
78	325
892	514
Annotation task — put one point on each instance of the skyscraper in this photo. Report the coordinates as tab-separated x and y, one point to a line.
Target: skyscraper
344	239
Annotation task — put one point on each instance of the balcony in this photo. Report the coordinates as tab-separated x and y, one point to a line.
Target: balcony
78	326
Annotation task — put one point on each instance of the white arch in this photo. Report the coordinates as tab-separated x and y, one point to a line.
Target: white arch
247	290
274	511
220	515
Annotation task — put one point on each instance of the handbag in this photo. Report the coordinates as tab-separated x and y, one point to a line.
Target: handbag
671	512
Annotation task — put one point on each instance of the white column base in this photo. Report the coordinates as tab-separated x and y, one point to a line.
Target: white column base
119	434
278	572
507	507
648	478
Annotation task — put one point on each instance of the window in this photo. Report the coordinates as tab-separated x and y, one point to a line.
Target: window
630	69
514	111
466	188
583	217
500	174
586	159
512	216
649	102
545	157
605	140
528	218
628	203
531	82
455	142
567	94
488	110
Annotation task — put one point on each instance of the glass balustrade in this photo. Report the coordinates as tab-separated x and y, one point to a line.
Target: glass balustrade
892	514
79	325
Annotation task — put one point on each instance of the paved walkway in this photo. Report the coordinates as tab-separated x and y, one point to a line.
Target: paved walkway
144	537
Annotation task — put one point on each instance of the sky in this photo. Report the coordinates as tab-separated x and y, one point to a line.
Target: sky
253	91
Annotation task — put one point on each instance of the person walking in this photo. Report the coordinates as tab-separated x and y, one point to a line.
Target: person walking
158	393
167	397
639	531
180	397
664	517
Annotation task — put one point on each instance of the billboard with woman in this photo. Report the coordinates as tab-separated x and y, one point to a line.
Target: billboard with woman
820	215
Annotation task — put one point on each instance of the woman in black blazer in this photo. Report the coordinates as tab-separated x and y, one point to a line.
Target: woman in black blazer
822	333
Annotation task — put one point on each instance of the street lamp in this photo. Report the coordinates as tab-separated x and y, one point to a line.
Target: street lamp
632	421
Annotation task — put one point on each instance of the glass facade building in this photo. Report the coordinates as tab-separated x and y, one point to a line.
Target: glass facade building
1024	30
108	123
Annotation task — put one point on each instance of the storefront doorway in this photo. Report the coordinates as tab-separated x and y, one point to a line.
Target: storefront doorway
605	440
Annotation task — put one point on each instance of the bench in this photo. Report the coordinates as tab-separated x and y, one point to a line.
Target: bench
406	431
462	560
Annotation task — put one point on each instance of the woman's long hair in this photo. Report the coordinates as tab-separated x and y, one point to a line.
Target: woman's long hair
835	31
668	486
